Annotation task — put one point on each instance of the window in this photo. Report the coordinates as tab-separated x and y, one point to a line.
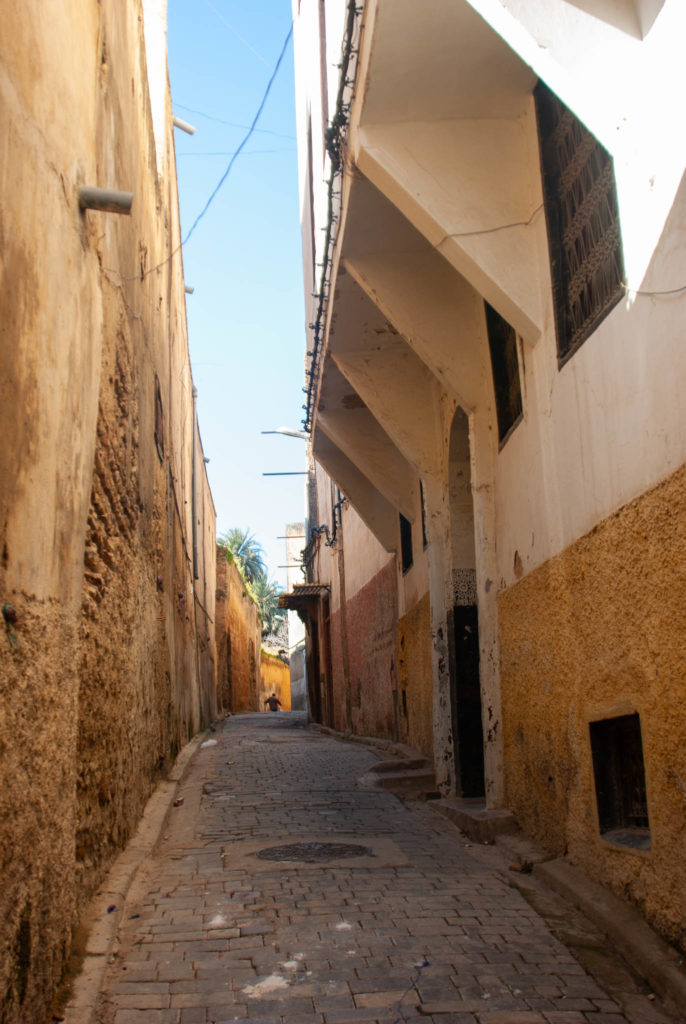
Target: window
582	217
620	783
406	557
502	341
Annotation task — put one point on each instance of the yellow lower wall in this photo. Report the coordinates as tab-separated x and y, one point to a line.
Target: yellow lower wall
597	632
415	677
275	677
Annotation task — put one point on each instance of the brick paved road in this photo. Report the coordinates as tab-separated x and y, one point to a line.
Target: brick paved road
414	930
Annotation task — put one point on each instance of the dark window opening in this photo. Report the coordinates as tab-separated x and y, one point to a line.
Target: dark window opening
159	421
406	557
620	783
425	540
502	341
582	217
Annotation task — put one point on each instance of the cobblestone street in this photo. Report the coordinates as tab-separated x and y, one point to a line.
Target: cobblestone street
415	927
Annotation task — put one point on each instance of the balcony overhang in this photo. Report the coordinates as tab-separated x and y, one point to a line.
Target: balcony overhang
304	596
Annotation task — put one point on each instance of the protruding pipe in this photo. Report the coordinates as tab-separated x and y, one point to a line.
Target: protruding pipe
189	129
108	200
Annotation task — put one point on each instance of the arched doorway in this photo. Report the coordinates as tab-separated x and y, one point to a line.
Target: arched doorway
463	626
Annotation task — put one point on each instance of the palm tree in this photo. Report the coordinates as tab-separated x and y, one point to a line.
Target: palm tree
242	546
266	593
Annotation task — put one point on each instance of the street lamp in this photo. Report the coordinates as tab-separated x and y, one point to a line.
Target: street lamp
288	432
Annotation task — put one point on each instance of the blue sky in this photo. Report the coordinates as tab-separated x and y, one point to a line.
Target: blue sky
246	316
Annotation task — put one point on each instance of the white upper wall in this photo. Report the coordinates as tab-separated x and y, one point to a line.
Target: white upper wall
609	424
619	66
155	24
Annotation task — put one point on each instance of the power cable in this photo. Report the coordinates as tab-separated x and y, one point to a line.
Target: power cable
237	34
232	161
232	124
246	138
252	152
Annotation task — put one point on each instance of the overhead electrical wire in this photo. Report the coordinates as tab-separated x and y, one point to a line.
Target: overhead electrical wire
236	33
232	124
246	138
251	152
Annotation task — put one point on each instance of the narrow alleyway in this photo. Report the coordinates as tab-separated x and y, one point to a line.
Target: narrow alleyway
417	926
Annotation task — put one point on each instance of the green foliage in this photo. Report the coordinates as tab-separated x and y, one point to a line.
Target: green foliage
266	594
241	547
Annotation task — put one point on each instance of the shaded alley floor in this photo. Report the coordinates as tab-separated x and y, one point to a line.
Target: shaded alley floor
418	926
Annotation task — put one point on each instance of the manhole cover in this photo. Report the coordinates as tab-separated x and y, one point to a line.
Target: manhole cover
313	853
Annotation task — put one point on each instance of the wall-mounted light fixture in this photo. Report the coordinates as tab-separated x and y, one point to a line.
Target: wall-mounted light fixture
189	129
288	432
188	290
107	200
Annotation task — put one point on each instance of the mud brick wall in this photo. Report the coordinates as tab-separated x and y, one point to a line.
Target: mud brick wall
239	632
106	663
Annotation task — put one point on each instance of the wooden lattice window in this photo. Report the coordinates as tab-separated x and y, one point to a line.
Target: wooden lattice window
582	216
502	342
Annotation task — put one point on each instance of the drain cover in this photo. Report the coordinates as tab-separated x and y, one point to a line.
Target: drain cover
313	853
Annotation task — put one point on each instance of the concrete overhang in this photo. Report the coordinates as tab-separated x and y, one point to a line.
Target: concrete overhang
303	596
444	126
445	84
378	513
347	421
401	308
396	386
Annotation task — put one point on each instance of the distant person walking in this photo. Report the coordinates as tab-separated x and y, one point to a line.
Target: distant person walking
273	702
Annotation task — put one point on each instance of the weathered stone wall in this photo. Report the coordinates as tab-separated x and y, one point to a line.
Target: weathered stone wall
275	677
415	677
238	629
108	668
597	632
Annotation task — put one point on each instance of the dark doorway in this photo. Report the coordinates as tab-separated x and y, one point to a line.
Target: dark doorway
466	703
312	663
327	663
463	629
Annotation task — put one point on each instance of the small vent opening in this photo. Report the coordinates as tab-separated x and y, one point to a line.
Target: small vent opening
620	783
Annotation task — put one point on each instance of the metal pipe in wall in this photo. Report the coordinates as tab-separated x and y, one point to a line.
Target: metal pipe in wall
107	200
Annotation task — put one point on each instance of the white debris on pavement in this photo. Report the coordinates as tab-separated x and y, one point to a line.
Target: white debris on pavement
271	984
218	921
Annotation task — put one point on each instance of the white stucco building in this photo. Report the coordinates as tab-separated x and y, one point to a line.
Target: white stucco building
493	210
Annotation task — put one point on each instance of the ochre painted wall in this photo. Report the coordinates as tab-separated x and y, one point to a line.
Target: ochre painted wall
238	630
598	632
275	677
415	677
